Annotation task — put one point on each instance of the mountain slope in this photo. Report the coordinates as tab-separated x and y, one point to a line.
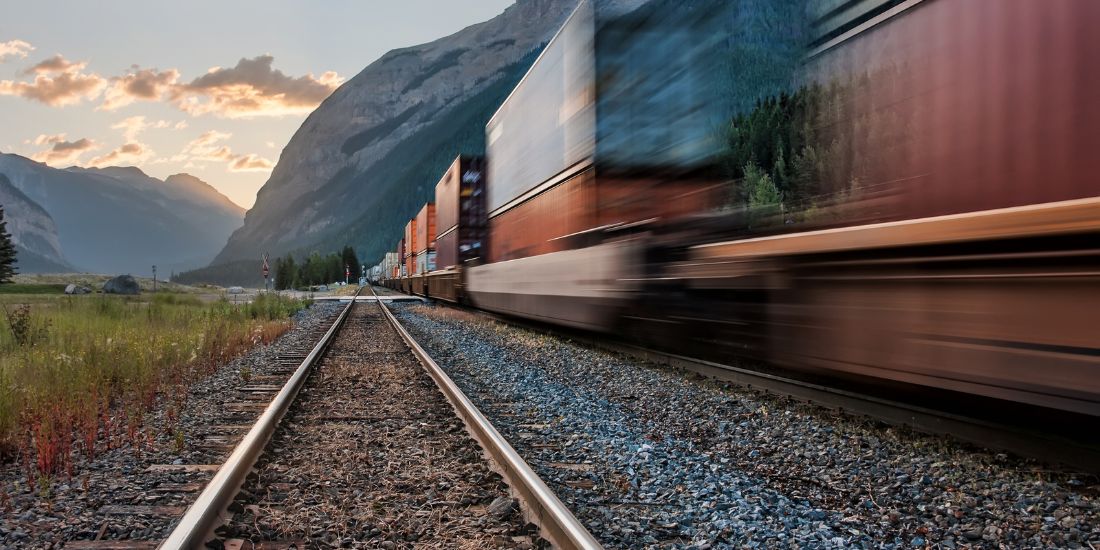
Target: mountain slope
33	232
114	220
362	162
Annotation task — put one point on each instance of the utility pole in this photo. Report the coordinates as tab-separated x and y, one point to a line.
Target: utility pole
154	279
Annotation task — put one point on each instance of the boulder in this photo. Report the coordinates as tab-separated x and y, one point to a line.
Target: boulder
123	284
74	289
235	290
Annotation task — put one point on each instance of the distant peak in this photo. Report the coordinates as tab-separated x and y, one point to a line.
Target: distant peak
123	171
198	186
184	177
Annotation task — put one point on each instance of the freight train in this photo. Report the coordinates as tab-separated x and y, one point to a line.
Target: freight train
909	196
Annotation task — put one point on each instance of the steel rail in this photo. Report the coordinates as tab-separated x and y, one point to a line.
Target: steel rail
557	522
207	513
1046	447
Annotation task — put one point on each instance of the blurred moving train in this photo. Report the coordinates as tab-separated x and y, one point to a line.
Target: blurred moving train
915	192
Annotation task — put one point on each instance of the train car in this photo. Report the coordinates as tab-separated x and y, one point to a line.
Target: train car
460	226
885	192
613	125
949	241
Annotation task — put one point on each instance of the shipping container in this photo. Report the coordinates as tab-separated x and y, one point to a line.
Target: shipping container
616	106
401	256
460	212
425	262
409	259
410	239
628	93
425	229
961	106
578	212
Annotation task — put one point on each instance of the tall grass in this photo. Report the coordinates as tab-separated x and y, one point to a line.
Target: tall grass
94	367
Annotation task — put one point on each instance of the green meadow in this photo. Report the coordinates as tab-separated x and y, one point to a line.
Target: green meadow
79	374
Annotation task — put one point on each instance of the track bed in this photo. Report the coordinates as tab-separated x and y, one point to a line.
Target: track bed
648	456
372	455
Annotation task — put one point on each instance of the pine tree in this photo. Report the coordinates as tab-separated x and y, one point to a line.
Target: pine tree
7	251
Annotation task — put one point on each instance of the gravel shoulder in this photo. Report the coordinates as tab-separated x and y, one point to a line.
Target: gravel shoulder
115	496
650	457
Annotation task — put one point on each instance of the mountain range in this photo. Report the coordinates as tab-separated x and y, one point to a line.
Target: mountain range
111	220
370	155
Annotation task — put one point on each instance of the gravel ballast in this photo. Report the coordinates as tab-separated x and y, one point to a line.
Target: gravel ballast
650	457
104	499
372	455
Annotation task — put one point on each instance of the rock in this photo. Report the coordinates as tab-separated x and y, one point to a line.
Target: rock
235	290
123	284
74	289
500	507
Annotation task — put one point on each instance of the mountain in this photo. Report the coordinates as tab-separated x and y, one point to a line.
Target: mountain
33	231
365	160
120	220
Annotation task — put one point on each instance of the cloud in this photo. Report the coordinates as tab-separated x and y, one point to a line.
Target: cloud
128	154
57	82
56	64
208	148
133	126
14	48
139	84
253	88
61	151
251	163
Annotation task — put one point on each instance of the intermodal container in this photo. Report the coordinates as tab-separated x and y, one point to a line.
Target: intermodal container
616	122
577	212
629	93
410	247
425	262
425	229
460	212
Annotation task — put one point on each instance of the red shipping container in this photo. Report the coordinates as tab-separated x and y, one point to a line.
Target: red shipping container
559	218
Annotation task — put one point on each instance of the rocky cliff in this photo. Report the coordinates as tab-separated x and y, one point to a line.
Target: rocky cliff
33	231
371	154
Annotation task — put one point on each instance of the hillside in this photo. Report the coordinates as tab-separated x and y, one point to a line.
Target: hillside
115	220
33	231
364	161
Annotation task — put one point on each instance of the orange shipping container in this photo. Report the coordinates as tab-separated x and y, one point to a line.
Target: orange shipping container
410	247
425	229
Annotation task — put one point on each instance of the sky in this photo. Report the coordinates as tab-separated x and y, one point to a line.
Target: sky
211	88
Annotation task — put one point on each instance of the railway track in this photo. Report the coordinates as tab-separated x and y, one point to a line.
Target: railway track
356	448
1023	439
645	455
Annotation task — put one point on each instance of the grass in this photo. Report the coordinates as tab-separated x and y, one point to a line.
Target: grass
81	374
32	289
95	282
